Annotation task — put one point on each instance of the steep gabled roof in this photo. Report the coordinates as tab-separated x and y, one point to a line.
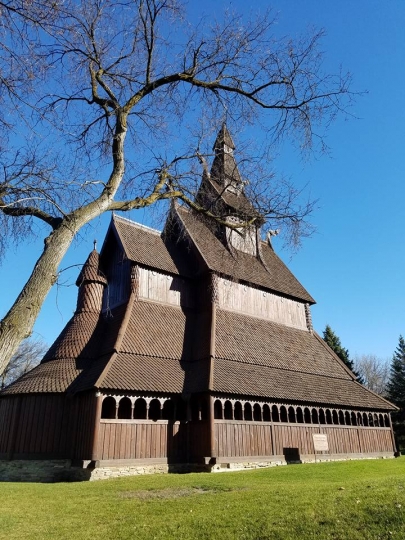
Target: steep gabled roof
148	247
275	276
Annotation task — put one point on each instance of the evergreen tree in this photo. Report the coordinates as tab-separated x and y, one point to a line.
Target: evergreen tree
396	384
396	392
334	343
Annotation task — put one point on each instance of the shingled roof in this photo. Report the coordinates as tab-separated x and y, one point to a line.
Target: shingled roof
257	357
147	346
275	276
235	378
149	248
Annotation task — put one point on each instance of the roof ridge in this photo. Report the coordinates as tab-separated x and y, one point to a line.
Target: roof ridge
138	225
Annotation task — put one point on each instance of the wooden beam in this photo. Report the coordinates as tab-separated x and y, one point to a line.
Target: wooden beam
97	417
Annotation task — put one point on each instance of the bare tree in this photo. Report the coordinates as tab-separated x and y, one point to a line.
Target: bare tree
374	371
28	355
98	97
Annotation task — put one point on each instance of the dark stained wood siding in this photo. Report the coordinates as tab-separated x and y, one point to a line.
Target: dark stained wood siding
242	439
48	425
147	439
54	425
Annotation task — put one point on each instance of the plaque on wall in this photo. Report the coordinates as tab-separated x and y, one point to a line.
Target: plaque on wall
320	442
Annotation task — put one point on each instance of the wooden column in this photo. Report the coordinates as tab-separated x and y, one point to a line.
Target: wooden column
211	367
392	435
97	418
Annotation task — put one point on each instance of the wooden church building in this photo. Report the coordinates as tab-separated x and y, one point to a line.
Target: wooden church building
191	347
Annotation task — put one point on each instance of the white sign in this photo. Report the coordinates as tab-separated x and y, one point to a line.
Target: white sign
320	442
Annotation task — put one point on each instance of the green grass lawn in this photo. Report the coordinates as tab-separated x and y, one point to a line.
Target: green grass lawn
342	500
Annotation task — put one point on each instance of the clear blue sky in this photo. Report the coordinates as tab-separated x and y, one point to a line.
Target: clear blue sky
354	264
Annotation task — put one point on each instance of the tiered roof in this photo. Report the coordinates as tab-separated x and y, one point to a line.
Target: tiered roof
144	346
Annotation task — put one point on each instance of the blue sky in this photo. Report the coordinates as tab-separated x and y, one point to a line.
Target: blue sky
354	264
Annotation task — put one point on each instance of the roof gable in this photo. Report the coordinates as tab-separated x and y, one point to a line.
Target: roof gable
274	275
149	247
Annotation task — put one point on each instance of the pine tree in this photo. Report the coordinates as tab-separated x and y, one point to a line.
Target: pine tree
396	391
334	343
396	384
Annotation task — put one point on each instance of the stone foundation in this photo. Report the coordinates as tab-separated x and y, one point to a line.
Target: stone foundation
66	471
54	470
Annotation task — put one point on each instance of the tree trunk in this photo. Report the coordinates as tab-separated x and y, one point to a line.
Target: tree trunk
19	321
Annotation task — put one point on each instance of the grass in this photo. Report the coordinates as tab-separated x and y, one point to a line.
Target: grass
342	500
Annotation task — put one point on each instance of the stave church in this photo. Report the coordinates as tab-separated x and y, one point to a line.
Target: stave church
191	348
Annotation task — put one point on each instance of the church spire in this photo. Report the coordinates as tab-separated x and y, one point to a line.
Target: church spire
224	168
224	141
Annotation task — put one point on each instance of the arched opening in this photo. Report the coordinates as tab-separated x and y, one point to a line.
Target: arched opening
380	420
314	415
386	420
217	410
347	418
228	415
307	415
328	417
283	414
266	413
359	419
365	419
140	409
275	414
109	408
154	410
353	419
168	410
375	420
322	419
247	412
335	418
291	415
125	408
257	413
370	420
300	416
341	418
238	412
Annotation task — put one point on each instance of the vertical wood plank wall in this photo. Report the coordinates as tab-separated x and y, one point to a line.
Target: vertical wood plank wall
173	290
55	426
146	439
236	438
49	425
244	299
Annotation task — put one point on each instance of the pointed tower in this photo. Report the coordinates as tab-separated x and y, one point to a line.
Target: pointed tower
224	169
222	191
91	283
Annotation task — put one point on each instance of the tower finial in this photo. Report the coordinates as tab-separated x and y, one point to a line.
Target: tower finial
94	244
